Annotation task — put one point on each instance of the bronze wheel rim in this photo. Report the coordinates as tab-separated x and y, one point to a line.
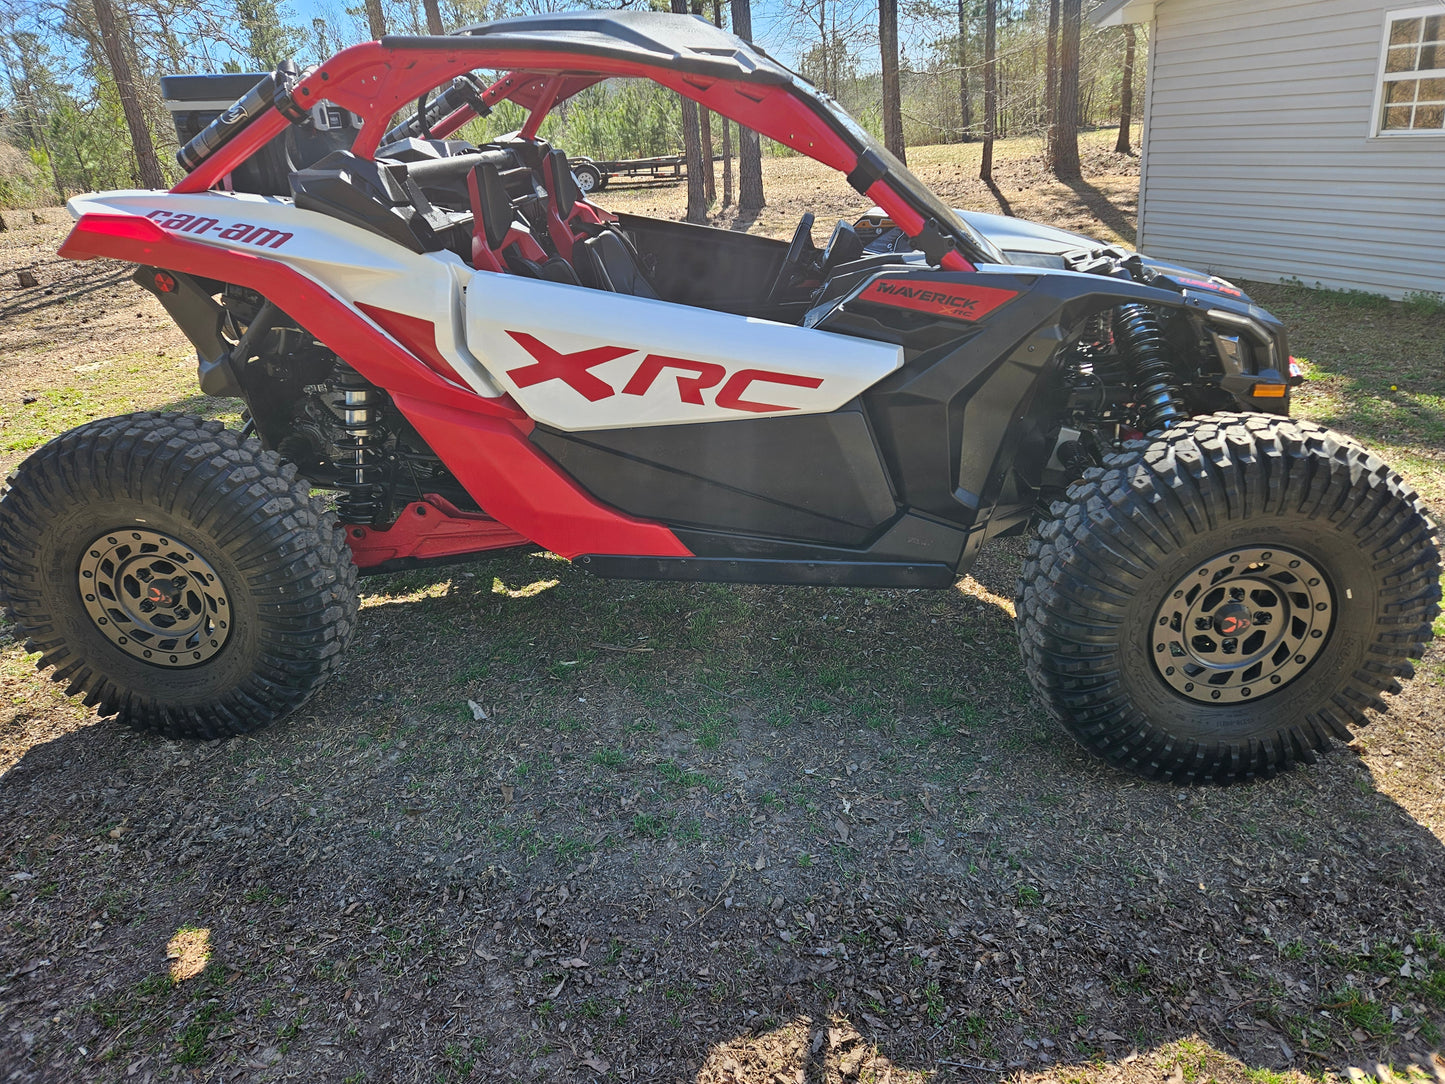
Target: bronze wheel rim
154	598
1242	625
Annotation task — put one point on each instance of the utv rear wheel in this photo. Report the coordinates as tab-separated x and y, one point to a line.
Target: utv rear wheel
1218	603
175	575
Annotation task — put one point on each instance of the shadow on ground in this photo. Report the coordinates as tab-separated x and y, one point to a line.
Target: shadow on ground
703	833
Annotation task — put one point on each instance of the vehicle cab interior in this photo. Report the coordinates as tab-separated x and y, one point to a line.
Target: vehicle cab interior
513	206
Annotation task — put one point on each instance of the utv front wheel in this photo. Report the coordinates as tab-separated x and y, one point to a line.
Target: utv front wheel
1214	605
174	575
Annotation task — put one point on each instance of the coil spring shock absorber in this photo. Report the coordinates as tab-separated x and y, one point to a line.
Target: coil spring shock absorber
1141	342
359	446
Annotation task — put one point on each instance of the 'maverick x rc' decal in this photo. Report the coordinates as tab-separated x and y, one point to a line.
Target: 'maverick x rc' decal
955	300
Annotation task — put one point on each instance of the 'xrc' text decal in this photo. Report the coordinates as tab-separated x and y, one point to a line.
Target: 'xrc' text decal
693	377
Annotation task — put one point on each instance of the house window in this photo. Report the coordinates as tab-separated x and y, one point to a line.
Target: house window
1411	92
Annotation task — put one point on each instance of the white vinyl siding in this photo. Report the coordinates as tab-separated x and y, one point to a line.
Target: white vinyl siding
1261	158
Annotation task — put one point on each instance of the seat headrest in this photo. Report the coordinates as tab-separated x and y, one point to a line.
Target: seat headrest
490	203
564	185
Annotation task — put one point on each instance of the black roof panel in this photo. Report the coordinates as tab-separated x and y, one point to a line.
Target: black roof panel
684	43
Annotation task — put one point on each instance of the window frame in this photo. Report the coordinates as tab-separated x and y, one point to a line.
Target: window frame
1377	128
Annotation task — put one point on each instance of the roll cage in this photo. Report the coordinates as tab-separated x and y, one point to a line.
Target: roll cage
550	58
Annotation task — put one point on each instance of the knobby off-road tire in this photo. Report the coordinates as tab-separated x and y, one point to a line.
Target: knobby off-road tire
175	575
1215	604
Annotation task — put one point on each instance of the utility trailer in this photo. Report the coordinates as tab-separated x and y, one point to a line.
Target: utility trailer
594	176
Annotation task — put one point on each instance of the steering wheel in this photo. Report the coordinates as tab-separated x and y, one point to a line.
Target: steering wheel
801	242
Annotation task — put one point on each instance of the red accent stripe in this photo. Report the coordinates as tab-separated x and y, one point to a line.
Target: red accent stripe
417	335
482	441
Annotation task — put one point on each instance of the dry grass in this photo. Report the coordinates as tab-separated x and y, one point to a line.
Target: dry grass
707	834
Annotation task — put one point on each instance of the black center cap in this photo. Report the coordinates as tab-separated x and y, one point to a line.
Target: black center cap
1231	620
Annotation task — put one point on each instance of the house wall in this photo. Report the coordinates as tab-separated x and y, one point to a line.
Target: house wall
1259	161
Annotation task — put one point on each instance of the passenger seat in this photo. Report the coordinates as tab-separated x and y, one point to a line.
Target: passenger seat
609	262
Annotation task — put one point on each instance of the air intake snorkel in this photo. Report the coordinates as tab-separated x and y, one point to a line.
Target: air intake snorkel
272	91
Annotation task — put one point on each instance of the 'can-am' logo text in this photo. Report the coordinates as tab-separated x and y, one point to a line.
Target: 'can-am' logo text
243	232
693	377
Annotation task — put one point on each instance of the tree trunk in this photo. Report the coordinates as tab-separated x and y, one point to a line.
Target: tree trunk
709	181
965	110
1051	84
727	128
892	92
375	19
1126	91
750	152
148	166
1064	162
692	148
433	17
990	88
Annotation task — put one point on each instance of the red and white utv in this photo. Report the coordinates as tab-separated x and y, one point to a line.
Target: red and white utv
462	352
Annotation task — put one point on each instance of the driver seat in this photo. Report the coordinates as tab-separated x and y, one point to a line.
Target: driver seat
609	262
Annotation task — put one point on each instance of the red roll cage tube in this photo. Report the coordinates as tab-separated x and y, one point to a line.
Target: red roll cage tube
376	81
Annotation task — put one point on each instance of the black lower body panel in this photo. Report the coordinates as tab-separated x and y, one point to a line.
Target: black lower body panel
809	477
744	570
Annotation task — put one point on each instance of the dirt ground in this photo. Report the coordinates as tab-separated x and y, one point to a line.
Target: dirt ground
703	833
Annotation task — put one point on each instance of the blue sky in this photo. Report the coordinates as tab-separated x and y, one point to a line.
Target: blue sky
777	25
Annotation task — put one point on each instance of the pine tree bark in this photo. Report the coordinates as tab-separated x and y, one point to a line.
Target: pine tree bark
1051	84
727	128
692	148
433	17
750	153
148	166
990	88
892	91
375	19
1126	91
1064	162
704	117
965	110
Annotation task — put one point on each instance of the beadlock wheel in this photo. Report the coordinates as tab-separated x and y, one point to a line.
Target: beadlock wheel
1222	601
154	598
174	575
1244	624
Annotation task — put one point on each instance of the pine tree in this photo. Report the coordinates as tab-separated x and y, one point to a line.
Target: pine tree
990	88
692	148
750	152
892	91
148	166
1064	154
1126	91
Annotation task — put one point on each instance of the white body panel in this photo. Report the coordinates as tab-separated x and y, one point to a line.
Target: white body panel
1259	158
349	262
667	364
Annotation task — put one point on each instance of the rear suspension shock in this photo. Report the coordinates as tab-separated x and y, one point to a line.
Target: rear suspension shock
1141	341
359	446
